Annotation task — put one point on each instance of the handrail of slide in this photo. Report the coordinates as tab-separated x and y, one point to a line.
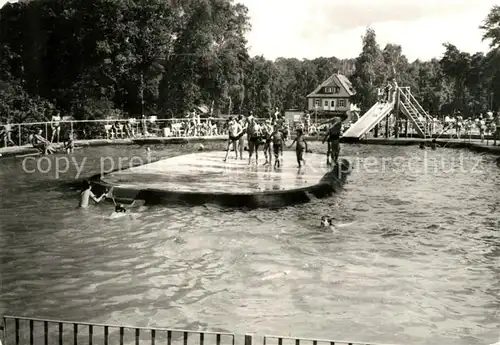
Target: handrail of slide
415	102
369	120
417	121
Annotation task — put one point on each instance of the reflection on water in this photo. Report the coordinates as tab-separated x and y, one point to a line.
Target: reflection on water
420	264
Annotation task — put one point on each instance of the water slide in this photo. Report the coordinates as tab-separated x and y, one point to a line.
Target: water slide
369	120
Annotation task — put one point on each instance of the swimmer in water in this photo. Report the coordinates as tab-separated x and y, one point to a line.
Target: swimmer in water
120	209
87	193
328	222
433	144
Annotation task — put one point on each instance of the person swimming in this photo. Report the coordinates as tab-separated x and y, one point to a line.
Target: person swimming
328	222
120	209
87	194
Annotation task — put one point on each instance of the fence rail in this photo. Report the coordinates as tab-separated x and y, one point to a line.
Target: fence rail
23	331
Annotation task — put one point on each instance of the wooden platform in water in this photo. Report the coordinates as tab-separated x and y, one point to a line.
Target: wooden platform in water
204	177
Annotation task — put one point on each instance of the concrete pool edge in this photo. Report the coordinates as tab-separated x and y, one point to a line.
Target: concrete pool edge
475	145
332	182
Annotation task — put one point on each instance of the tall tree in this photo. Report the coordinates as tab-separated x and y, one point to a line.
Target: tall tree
370	71
491	27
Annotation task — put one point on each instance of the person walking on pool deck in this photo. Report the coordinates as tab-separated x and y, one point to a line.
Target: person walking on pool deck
87	193
278	143
235	132
56	127
496	133
333	141
69	145
253	134
301	147
6	134
241	142
268	136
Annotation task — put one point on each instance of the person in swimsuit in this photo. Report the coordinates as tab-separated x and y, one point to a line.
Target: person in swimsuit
6	135
333	141
278	144
40	143
235	133
268	136
56	127
87	194
253	135
496	133
120	209
70	144
301	147
241	142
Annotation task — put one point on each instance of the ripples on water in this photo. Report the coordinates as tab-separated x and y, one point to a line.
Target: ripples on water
420	264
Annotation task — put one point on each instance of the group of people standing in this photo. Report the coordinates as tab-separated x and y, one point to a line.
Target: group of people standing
272	134
484	124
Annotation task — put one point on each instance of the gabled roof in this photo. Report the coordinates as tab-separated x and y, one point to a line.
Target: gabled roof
335	80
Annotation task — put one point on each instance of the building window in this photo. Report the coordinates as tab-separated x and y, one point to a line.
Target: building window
328	89
333	103
326	103
337	90
341	103
317	102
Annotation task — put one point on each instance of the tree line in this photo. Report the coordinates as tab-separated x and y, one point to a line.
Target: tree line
112	58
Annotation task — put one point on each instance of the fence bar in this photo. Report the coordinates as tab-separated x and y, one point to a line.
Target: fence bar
75	334
202	338
3	328
122	331
153	335
91	334
32	335
17	331
106	335
137	336
169	337
185	338
46	333
60	333
248	339
19	139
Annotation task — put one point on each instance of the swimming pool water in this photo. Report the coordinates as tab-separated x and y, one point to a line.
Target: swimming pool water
419	265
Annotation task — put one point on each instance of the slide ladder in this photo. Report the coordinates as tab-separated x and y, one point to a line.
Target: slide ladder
409	106
369	120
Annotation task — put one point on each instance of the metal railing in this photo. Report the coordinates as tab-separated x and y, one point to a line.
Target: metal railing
111	129
115	129
24	331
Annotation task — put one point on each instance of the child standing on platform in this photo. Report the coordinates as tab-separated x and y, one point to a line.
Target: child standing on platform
301	147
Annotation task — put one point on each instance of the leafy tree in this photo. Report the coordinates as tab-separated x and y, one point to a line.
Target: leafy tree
491	27
370	71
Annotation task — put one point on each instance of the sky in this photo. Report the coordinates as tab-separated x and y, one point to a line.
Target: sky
315	28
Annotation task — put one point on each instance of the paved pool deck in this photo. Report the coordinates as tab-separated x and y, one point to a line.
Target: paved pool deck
471	144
